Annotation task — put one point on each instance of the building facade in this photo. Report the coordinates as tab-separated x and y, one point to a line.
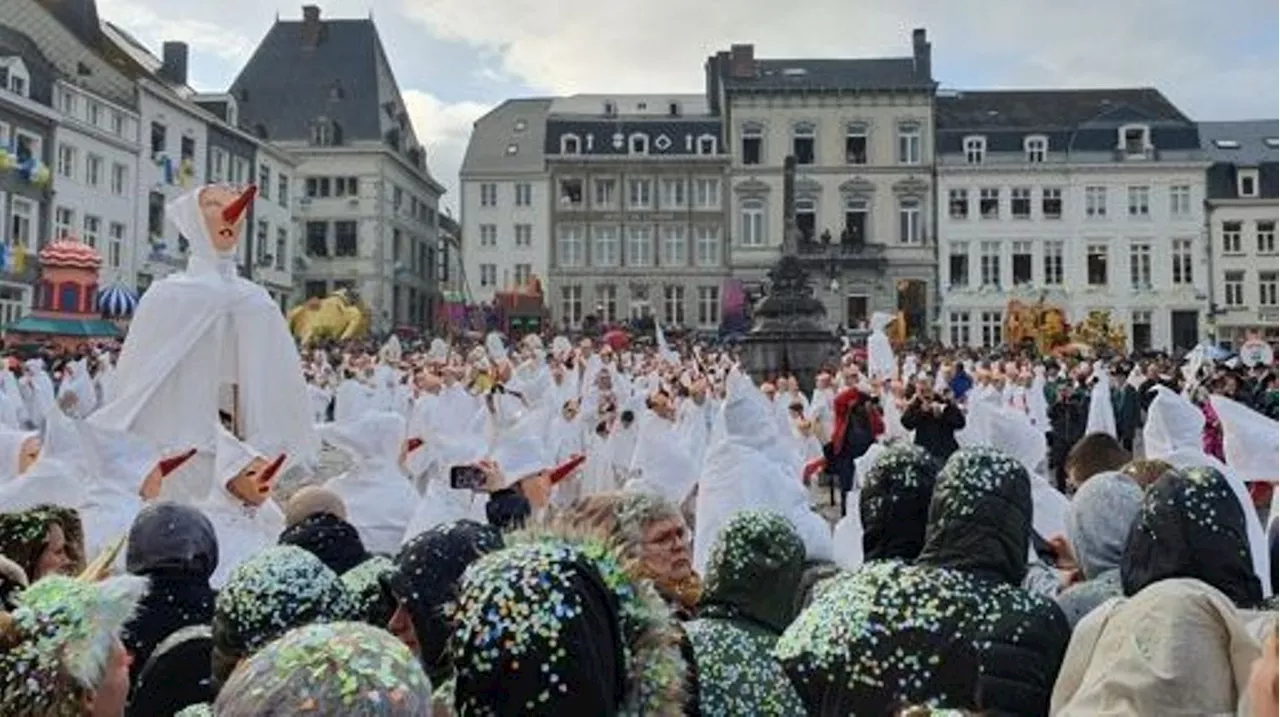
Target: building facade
366	203
637	210
95	169
1241	217
1087	199
862	135
505	201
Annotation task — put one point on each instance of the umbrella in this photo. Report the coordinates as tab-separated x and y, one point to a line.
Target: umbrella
617	339
117	301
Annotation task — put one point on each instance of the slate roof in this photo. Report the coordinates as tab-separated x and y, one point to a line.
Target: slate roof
285	86
667	136
43	73
780	75
1220	182
519	122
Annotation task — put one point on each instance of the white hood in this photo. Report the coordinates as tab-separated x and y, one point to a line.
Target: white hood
1250	440
379	498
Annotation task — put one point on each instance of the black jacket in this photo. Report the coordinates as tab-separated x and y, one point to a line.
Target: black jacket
894	502
934	433
954	628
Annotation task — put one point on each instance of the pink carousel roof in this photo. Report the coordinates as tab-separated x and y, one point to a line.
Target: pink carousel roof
70	253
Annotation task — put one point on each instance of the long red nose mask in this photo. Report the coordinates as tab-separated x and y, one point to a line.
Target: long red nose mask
233	211
270	471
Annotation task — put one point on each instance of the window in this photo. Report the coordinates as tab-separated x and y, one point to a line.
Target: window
571	304
318	187
28	145
1180	200
344	239
706	193
989	203
989	263
524	194
158	138
1096	264
260	248
489	195
1140	202
855	222
639	193
349	187
95	113
975	150
323	133
958	273
753	223
119	179
958	203
1021	263
909	229
1140	265
282	247
1141	330
606	246
1266	232
638	143
1095	202
1226	144
117	123
1247	182
959	323
1267	289
187	150
610	108
570	144
488	235
522	273
1231	243
570	193
92	170
155	214
92	228
22	213
675	246
673	193
67	102
218	165
909	143
855	143
1036	148
115	245
706	246
239	169
1020	202
640	246
1233	288
708	306
282	189
64	220
66	161
1051	203
488	275
673	305
606	193
803	142
1180	252
569	248
806	218
992	328
752	144
607	296
524	235
264	181
1054	263
1135	141
706	144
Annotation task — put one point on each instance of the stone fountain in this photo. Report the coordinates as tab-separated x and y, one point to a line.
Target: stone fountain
790	334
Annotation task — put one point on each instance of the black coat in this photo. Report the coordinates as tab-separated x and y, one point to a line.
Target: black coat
954	628
894	502
934	433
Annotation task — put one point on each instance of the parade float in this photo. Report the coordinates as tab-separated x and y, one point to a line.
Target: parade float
520	311
1040	325
65	311
338	316
1098	336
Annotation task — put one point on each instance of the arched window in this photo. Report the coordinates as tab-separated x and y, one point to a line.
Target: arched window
975	150
638	144
570	144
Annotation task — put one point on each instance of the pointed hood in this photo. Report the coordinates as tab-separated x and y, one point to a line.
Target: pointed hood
184	212
494	346
232	456
520	451
1102	416
373	440
59	476
1250	440
11	452
439	351
1173	424
663	461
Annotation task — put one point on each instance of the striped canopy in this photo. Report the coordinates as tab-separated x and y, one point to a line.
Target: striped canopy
117	301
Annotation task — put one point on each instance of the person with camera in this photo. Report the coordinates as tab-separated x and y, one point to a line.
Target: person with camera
935	418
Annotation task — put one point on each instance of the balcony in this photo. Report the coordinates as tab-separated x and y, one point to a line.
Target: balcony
849	254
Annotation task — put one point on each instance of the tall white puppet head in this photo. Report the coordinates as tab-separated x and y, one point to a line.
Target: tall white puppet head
212	218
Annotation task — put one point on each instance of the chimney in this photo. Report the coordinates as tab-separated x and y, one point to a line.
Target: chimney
742	61
173	66
922	53
311	26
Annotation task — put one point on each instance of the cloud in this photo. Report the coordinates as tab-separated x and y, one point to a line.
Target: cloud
153	28
443	128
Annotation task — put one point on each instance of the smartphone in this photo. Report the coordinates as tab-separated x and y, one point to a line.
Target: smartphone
467	478
566	469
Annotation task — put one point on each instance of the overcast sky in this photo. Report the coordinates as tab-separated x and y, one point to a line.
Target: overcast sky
454	59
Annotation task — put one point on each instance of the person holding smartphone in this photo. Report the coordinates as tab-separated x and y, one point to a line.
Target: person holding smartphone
935	418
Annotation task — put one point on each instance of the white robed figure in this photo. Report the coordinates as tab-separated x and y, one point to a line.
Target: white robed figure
239	503
1102	413
206	340
880	361
378	496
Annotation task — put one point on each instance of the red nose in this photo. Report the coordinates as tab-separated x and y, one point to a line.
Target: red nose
270	471
232	212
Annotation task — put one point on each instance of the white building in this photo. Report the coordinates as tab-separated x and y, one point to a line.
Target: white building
1242	216
275	229
95	175
1091	199
505	204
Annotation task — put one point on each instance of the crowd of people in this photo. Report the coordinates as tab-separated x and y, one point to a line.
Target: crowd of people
210	520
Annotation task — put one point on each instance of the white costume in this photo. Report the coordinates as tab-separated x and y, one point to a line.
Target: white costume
243	530
379	499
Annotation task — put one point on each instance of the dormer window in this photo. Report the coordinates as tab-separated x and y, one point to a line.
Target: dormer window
1272	142
1135	141
325	133
14	76
570	144
1037	148
610	109
521	125
1247	182
975	150
638	144
707	144
673	109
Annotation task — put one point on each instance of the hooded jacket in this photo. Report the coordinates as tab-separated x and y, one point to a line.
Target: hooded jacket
1101	515
894	503
954	628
